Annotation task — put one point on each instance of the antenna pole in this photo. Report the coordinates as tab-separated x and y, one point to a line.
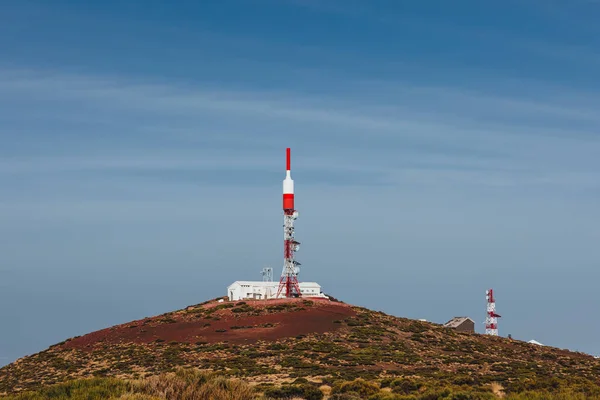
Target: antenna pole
288	283
267	274
491	319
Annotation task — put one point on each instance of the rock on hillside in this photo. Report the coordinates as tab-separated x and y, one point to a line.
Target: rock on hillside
285	339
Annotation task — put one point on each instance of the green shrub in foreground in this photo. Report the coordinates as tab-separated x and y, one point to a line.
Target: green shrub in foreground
358	386
305	391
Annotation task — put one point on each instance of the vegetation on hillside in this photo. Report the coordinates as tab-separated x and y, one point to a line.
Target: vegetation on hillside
190	384
368	355
184	385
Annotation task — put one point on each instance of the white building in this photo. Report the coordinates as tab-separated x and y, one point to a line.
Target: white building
535	342
260	290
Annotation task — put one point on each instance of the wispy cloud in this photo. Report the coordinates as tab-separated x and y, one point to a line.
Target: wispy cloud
444	131
380	105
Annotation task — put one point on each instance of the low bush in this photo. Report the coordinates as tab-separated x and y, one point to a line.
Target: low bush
244	308
405	386
358	386
305	391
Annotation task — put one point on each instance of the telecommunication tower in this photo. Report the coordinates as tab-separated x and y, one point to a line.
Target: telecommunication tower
491	320
289	277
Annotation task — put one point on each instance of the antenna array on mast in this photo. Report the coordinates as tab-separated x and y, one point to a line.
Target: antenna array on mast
267	274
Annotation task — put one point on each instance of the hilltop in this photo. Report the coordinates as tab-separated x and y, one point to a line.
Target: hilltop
318	340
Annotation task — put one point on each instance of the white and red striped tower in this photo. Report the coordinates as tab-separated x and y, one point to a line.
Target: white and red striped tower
289	277
491	320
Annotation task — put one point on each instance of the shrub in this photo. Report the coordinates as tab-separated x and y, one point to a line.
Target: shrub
405	386
277	346
305	391
358	386
346	396
386	382
312	393
243	308
471	396
435	395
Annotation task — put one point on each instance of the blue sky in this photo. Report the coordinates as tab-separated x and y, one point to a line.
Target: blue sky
439	148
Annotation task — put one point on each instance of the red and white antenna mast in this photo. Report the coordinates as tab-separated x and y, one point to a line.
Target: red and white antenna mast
491	320
289	277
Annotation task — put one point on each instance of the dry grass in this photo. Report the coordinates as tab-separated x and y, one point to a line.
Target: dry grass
181	385
188	384
498	390
191	385
326	389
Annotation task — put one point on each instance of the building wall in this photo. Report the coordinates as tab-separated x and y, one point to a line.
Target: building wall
466	326
249	291
309	290
262	290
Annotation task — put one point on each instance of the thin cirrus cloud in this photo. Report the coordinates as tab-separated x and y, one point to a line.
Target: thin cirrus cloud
430	133
321	109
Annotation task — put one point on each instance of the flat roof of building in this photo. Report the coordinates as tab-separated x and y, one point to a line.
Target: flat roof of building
273	283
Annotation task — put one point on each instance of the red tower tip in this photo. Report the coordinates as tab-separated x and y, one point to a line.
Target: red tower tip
288	159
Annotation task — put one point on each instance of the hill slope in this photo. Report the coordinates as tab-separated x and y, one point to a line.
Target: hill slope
285	339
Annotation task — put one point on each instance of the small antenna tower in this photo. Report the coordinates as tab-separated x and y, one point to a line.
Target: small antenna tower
491	319
267	274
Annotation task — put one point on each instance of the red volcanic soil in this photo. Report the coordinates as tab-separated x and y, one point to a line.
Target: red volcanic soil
198	324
